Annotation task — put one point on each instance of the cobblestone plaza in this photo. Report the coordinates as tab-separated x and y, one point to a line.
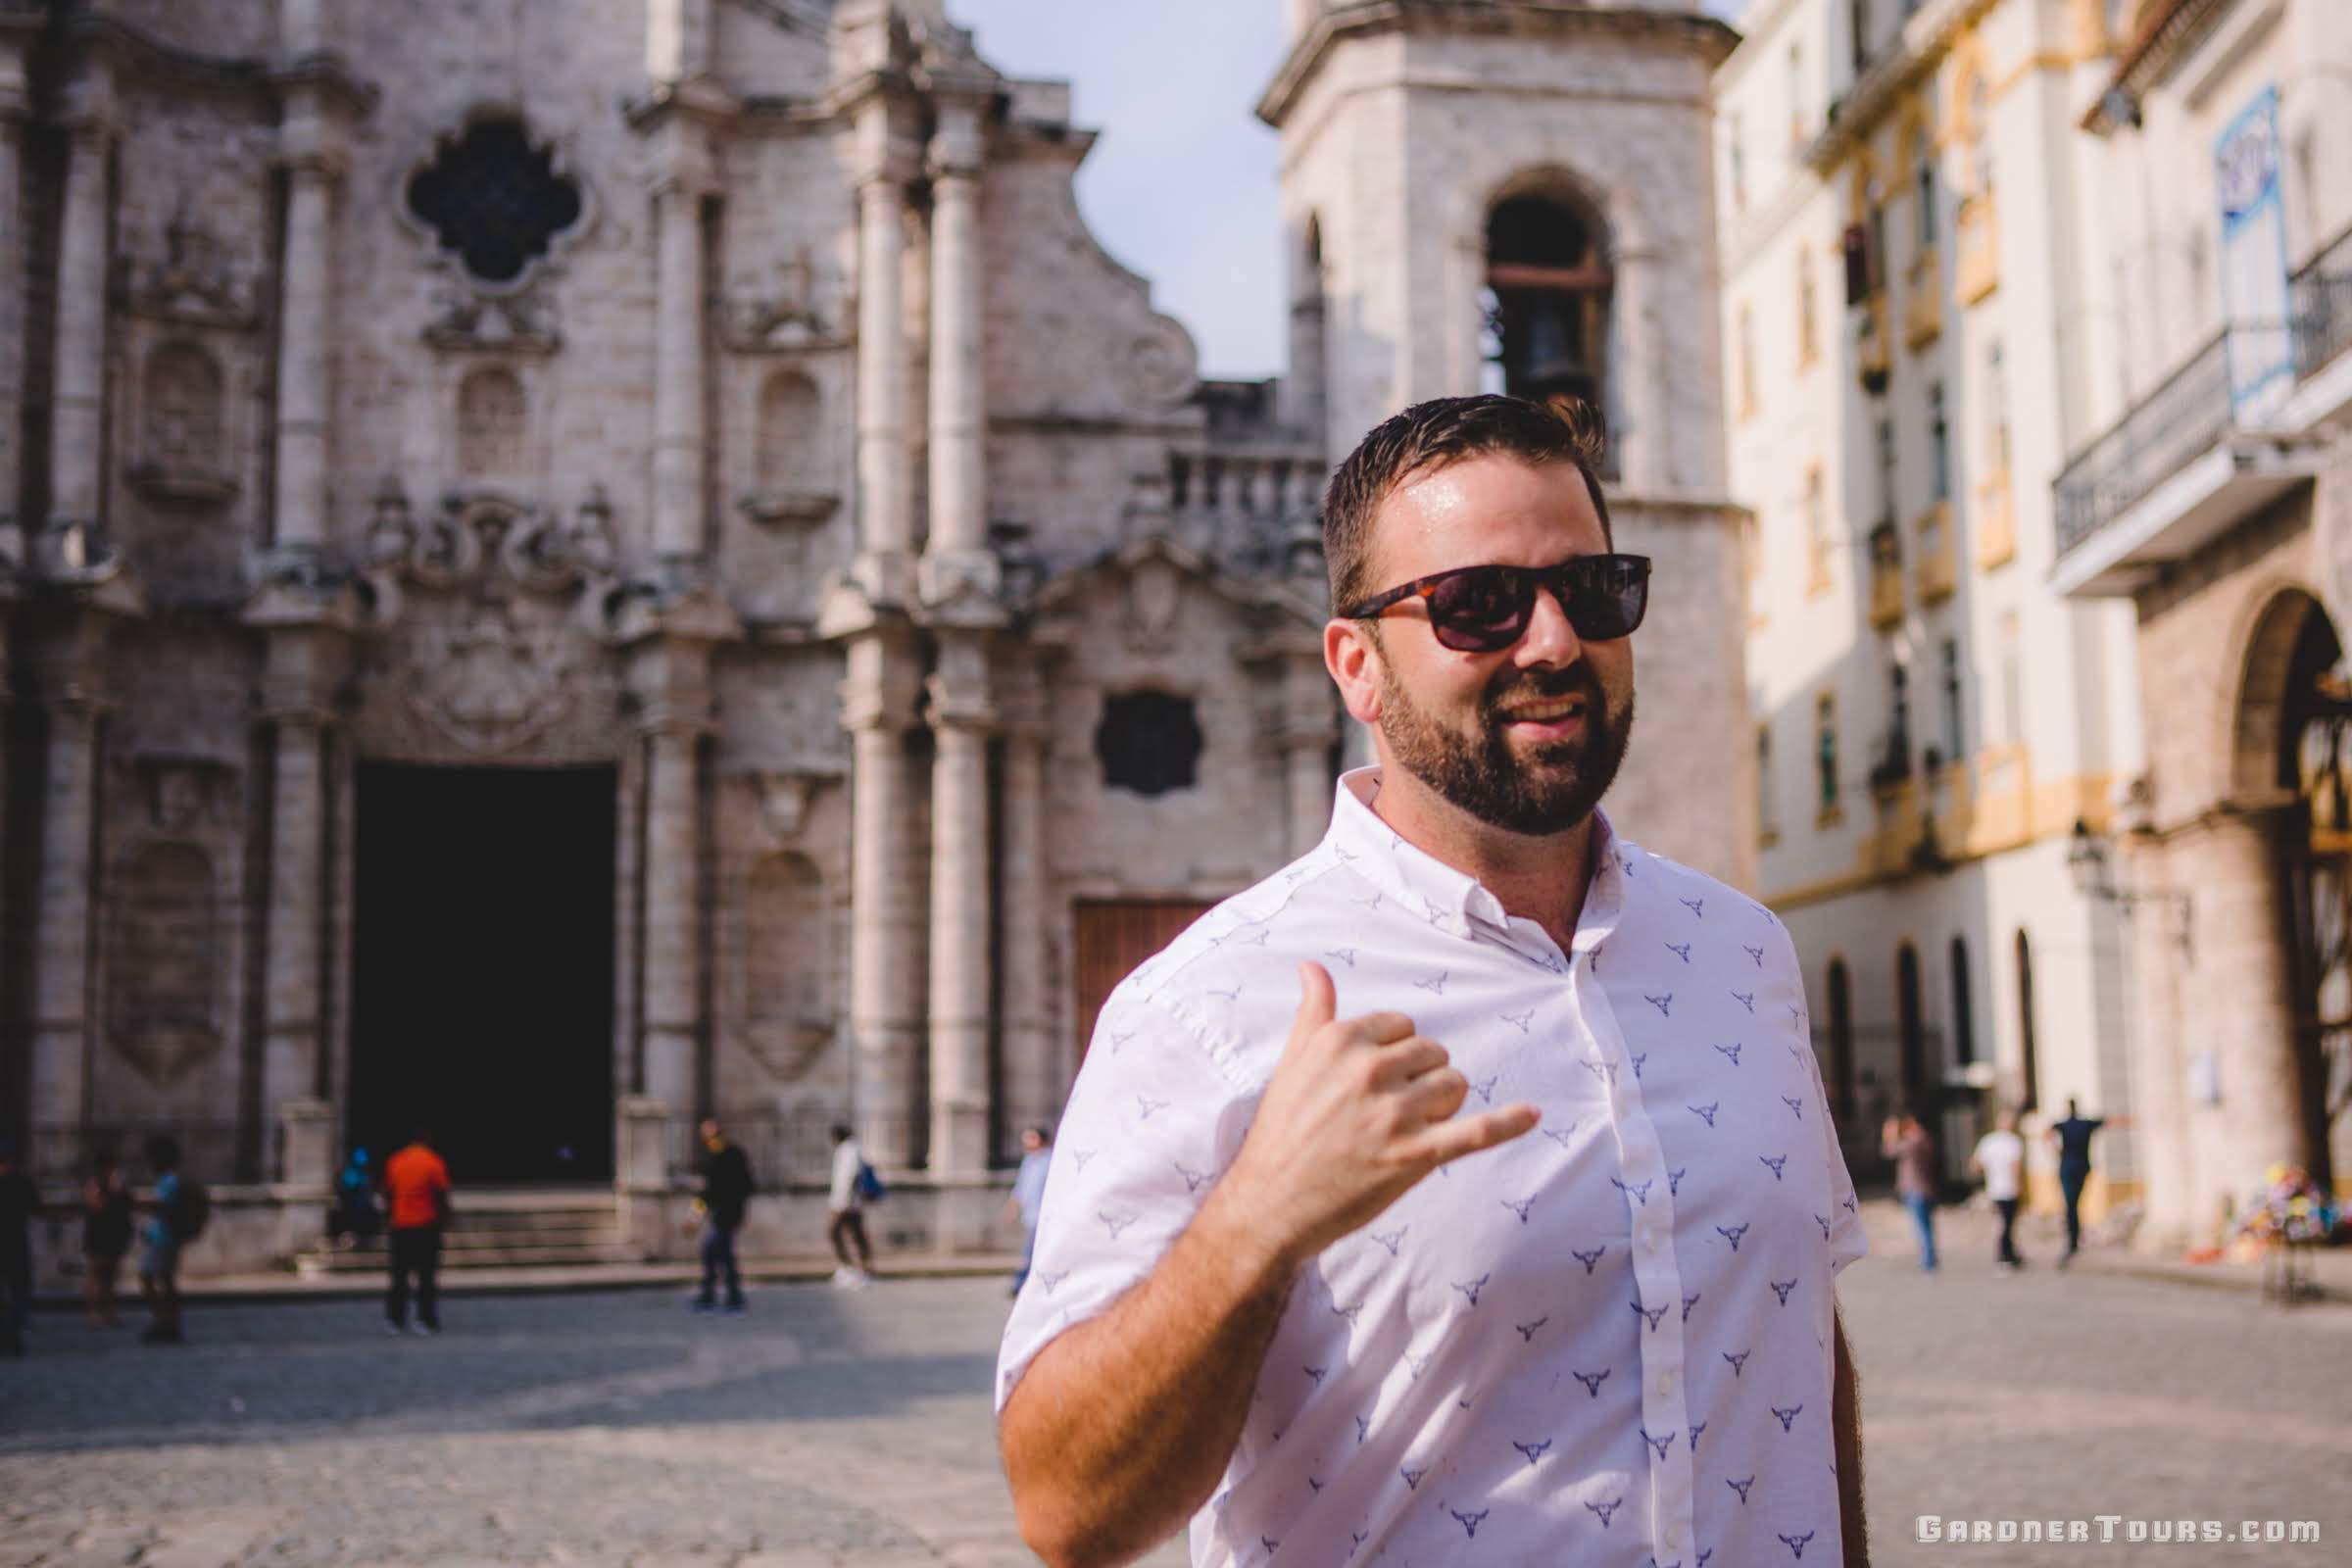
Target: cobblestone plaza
829	1428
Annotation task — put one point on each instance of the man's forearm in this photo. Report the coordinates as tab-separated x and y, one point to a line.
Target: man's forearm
1122	1427
1845	1410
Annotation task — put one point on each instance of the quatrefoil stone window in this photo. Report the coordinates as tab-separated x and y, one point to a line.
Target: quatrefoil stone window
493	200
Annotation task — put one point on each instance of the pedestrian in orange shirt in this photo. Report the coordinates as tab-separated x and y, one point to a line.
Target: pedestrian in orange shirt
416	1192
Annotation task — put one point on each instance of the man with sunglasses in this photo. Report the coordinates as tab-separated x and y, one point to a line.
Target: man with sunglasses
1466	1191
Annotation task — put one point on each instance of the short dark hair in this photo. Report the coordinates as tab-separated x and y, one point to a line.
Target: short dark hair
841	1132
162	1151
1439	434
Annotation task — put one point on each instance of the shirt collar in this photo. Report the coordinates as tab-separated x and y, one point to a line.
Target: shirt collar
1452	899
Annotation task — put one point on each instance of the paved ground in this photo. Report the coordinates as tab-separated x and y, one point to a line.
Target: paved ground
613	1428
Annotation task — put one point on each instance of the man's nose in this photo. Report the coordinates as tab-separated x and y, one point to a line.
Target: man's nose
1549	640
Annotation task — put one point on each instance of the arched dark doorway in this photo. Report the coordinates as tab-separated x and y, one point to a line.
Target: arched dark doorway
1912	1031
2028	1090
1547	301
1841	1040
2314	758
1964	1029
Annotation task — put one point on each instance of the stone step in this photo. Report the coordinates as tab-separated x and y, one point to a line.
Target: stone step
371	1260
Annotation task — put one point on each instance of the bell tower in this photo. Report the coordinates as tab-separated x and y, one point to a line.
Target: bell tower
1517	195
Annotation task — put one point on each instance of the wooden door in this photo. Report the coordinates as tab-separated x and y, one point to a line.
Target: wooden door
1115	935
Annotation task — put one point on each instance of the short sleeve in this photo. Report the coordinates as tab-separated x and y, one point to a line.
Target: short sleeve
1151	1123
1846	1241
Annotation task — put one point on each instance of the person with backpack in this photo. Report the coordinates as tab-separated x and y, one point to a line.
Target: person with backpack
182	1208
854	1182
417	1191
726	1193
106	1225
355	1218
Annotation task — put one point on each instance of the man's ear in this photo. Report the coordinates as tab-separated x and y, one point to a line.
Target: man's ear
1353	656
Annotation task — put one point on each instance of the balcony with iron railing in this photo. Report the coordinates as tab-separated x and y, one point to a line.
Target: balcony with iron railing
1886	575
2231	429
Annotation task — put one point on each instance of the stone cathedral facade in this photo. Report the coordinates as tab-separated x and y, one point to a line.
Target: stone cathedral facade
570	567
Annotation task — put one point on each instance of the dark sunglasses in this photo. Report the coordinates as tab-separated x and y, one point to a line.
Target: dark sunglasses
1483	609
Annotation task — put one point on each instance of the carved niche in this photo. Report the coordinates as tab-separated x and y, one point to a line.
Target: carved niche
490	616
165	1001
183	439
197	282
493	424
794	461
787	965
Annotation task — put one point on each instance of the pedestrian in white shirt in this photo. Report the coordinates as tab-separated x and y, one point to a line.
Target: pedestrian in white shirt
848	1203
1304	1274
2000	1155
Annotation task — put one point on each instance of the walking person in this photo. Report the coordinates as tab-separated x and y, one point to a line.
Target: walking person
2072	1136
847	1204
20	1201
726	1194
106	1229
1907	1142
416	1192
2001	1158
171	1226
1029	1193
355	1217
1268	1300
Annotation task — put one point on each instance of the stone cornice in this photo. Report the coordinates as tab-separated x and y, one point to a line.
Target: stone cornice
697	99
2160	44
325	74
1710	39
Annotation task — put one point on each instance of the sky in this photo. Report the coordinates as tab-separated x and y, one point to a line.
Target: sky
1183	185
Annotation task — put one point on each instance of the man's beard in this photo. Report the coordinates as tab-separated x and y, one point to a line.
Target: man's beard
1550	789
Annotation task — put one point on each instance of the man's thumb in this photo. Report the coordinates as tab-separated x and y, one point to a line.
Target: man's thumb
1318	1002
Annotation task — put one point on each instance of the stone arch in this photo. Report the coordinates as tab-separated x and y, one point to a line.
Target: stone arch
2258	719
787	961
493	423
1548	286
791	443
182	424
164	973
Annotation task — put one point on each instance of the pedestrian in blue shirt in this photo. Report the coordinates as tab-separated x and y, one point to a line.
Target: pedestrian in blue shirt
1029	1193
2073	1137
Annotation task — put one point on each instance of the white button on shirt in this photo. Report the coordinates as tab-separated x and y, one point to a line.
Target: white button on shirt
1491	1370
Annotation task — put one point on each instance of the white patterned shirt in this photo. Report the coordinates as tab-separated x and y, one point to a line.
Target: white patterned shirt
1607	1342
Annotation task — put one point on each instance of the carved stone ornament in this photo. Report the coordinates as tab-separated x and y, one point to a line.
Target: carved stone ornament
196	282
790	315
783	796
466	321
1159	366
481	541
1154	593
489	682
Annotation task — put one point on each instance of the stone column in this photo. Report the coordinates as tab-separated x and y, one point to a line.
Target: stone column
1309	727
1639	372
304	396
886	934
962	717
885	504
672	915
678	402
1035	1072
14	107
958	409
75	419
292	1042
62	957
2245	989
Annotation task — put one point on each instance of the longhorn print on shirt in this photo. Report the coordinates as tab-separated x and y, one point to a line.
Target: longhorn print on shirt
1681	949
1115	1223
1602	1511
1654	1314
1730	1053
1470	1289
1390	1240
1674	1181
1412	1477
1661	1444
1797	1543
1738	1359
1772	1163
1706	1113
1522	1021
1665	1006
1592	1380
1639	1191
1788	1416
1436	983
1694	1432
1781	1287
1756	954
1732	1233
1527	1331
1746	998
1740	1487
1589	1259
1470	1521
1520	1207
1191	1178
1796	1107
1534	1450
